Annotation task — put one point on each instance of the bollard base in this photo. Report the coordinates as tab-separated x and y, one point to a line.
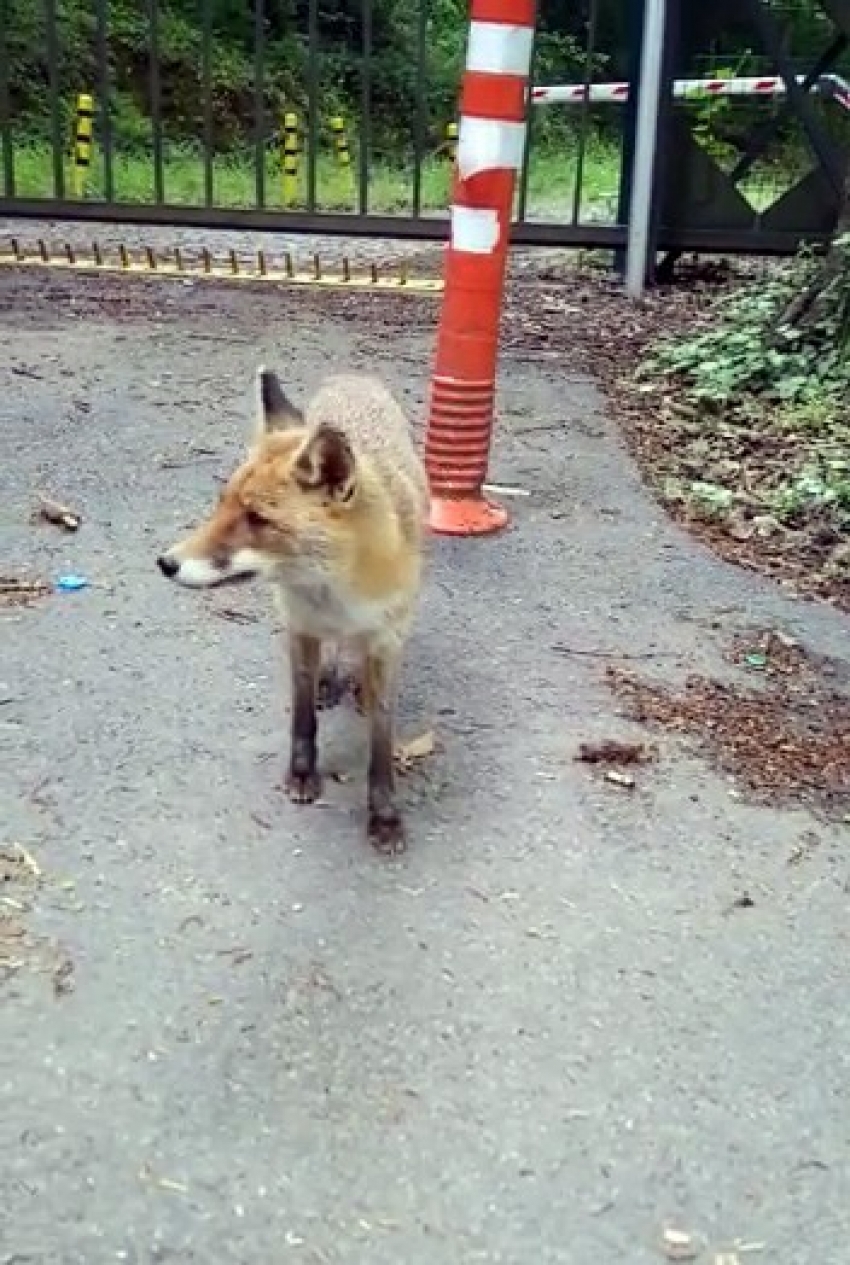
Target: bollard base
472	515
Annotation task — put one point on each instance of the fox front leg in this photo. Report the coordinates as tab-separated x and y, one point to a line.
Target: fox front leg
303	781
380	682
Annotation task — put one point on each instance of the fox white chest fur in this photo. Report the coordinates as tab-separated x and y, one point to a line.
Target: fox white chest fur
319	606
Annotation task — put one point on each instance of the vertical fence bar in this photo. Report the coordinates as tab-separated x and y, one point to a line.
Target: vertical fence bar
259	101
365	108
646	148
206	95
584	120
103	98
56	137
531	118
312	100
634	33
156	102
420	125
5	109
670	55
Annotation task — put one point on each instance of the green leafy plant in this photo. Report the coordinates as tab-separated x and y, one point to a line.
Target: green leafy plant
759	437
709	113
746	350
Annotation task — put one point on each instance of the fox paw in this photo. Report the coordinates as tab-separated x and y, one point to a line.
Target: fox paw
303	788
386	830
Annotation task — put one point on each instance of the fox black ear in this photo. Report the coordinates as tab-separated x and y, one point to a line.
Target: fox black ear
274	410
327	463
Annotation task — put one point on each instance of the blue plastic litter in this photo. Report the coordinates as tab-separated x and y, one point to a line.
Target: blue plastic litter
71	583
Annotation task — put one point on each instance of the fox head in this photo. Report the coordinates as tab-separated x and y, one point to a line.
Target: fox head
282	506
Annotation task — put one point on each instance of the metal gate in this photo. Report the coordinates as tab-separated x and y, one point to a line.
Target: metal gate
330	116
737	177
338	116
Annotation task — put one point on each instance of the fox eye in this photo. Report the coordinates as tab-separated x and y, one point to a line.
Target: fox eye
255	520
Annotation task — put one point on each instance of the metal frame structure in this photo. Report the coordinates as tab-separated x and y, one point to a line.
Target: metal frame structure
700	194
674	223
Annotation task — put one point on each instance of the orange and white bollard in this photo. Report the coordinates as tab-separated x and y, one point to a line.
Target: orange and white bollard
490	151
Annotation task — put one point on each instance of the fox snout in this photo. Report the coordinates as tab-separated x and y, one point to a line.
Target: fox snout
201	571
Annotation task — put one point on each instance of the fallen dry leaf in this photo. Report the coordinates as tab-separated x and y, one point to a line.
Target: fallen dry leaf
419	748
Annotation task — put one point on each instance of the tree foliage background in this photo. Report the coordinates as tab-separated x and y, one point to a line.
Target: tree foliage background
394	59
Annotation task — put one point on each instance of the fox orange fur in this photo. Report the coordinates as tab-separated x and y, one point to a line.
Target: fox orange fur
329	506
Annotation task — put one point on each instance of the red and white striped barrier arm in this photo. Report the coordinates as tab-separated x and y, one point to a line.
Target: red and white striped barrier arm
835	89
831	86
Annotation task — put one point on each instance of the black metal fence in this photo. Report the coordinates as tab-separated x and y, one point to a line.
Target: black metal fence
331	116
338	115
764	172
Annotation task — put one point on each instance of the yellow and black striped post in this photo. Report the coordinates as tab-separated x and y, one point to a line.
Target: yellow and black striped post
342	151
291	152
450	147
83	134
340	136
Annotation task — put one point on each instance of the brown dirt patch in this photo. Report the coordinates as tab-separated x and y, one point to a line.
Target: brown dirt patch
785	740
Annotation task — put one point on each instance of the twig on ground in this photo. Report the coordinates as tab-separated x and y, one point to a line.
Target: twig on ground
615	654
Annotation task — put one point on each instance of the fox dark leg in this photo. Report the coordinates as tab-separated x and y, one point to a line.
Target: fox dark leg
303	781
380	684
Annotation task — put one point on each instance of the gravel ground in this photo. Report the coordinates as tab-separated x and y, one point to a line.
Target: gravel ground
229	1033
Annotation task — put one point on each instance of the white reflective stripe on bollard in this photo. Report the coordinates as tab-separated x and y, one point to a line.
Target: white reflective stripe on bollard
489	145
474	230
498	49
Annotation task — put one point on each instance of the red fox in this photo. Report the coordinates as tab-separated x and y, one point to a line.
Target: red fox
330	507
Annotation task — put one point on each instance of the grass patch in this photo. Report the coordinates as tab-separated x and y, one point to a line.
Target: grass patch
552	175
389	189
553	172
